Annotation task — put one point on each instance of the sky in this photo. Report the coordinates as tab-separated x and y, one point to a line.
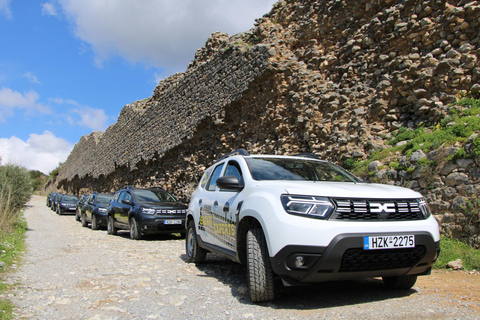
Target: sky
67	67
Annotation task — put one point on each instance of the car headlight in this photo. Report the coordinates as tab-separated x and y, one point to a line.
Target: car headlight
309	206
422	203
102	210
148	210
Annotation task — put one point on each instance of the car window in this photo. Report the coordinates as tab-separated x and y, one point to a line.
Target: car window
70	198
297	169
104	198
233	169
205	177
213	179
127	196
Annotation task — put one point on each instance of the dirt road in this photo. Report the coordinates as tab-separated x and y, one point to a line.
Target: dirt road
70	272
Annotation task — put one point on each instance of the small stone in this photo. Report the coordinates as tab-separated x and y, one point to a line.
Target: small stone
455	265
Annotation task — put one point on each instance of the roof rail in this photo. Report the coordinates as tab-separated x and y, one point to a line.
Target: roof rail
241	152
307	155
127	187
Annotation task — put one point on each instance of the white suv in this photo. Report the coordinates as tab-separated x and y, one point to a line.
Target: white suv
306	220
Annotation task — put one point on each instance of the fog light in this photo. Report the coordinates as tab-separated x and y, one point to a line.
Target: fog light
299	261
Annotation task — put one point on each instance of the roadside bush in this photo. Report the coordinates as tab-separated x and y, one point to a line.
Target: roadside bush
453	249
15	184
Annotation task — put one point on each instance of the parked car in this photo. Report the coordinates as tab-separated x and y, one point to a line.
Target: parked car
95	210
50	197
55	200
146	211
305	220
67	203
81	206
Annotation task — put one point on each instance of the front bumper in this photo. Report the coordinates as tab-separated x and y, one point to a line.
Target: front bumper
344	259
155	224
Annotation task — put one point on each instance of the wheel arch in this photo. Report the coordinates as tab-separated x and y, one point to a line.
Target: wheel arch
244	225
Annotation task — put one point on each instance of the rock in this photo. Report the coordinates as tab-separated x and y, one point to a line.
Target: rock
456	178
373	166
459	204
455	265
417	155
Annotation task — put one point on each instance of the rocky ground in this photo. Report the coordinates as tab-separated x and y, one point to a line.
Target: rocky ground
70	272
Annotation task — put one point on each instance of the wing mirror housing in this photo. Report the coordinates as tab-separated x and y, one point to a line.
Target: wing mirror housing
229	183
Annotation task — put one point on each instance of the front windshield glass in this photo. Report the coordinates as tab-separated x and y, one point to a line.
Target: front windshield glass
153	195
70	198
297	169
104	198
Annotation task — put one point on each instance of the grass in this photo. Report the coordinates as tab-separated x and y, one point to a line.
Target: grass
453	249
12	243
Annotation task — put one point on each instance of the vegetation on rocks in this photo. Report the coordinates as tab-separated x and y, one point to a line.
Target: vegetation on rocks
15	191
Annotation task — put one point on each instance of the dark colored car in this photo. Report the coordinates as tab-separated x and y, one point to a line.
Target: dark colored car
146	211
81	206
55	201
50	198
95	210
67	203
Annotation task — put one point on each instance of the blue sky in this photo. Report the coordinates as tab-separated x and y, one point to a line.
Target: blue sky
67	67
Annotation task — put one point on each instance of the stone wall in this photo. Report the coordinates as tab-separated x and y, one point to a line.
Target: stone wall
332	77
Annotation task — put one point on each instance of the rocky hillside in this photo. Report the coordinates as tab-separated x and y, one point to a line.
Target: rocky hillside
336	78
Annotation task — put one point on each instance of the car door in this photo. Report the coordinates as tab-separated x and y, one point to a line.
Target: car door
208	221
124	207
90	207
226	207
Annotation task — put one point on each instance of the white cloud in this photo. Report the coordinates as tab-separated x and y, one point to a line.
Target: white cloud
11	100
41	152
31	78
160	33
95	119
5	8
48	9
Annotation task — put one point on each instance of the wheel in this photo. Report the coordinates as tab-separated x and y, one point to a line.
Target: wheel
94	223
195	253
59	212
400	282
77	215
134	230
110	226
259	269
84	220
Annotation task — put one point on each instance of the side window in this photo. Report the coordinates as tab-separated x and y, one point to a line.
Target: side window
91	199
233	169
127	196
204	180
121	196
115	196
213	179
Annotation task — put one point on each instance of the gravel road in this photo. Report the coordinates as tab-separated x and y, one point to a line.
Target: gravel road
70	272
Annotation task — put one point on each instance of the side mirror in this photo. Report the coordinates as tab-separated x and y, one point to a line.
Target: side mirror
127	201
229	183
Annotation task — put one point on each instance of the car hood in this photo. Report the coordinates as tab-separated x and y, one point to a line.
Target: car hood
340	189
163	205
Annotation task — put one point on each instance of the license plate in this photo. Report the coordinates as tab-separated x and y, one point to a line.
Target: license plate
388	242
172	222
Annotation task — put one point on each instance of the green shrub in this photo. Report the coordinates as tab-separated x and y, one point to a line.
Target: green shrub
453	249
349	163
15	183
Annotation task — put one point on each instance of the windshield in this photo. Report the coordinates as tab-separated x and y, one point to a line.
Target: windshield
153	195
104	198
297	169
70	198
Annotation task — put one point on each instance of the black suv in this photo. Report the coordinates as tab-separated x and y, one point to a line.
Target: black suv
95	210
67	203
146	211
81	206
55	201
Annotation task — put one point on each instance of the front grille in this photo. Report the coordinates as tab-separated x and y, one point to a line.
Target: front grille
171	212
358	259
377	209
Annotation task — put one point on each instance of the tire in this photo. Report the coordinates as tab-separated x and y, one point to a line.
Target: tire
94	223
77	215
259	270
111	226
400	282
195	254
135	233
84	220
59	212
